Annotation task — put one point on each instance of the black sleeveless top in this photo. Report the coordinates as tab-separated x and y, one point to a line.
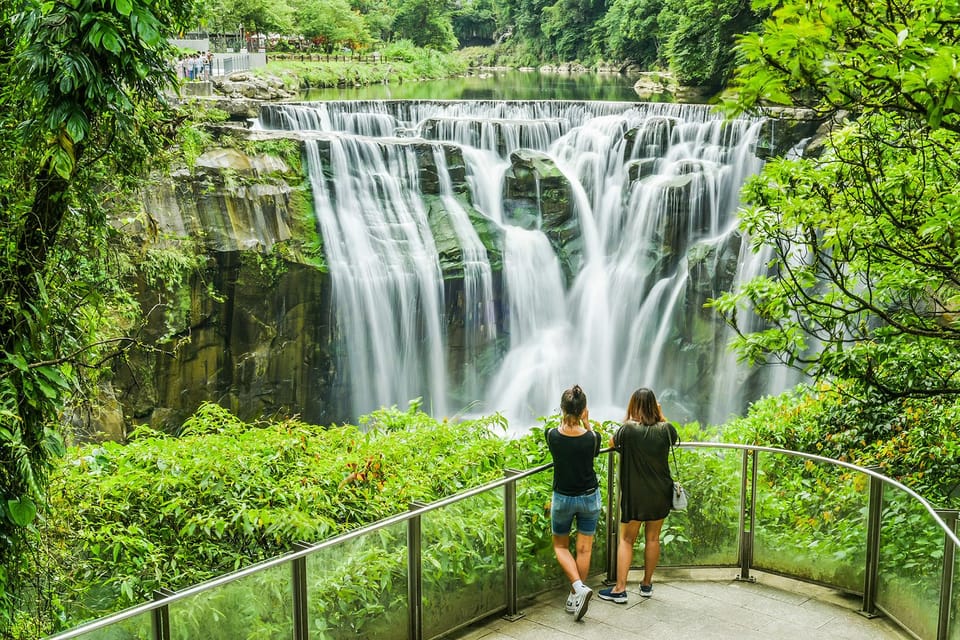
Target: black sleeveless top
573	473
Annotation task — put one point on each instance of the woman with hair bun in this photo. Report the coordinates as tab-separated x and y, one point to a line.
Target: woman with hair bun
643	442
576	494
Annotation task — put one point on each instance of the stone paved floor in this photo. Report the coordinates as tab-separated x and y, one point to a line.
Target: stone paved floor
705	604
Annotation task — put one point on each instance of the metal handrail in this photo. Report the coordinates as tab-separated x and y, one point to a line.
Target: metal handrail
294	555
416	511
840	463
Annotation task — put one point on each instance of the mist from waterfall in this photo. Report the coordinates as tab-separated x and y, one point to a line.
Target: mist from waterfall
653	189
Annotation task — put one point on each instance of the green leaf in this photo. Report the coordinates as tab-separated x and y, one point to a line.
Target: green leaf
22	511
112	42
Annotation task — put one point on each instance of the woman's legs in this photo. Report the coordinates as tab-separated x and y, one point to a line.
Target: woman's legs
561	548
574	568
584	551
628	536
651	549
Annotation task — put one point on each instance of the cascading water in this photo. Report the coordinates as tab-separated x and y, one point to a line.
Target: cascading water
605	289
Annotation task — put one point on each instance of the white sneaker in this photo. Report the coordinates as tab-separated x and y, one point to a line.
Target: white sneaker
580	602
571	606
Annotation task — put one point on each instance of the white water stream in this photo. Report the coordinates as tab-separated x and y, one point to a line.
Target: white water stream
653	191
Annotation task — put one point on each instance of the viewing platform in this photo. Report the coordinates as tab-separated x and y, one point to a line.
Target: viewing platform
707	604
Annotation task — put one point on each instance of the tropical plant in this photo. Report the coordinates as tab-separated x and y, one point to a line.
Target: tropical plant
82	109
864	283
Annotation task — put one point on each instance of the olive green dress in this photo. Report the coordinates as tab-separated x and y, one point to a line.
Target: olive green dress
645	481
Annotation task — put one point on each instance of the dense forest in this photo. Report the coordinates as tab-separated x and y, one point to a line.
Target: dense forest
692	39
863	291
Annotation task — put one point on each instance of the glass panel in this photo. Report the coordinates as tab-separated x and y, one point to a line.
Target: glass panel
136	628
811	520
463	562
911	563
537	569
954	628
257	606
707	533
358	588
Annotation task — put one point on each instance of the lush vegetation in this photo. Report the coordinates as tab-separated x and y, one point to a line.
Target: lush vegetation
169	511
865	264
81	114
863	293
402	62
694	40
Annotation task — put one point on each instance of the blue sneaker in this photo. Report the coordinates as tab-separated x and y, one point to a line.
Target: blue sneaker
620	597
646	591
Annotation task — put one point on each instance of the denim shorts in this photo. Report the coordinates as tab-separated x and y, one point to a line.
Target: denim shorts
585	508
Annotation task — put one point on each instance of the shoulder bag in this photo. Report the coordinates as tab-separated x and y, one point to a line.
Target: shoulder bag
679	494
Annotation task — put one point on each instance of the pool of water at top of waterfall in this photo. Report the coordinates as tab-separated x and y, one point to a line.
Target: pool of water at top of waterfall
494	85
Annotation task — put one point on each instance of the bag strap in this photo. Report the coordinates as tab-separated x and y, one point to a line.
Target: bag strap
676	467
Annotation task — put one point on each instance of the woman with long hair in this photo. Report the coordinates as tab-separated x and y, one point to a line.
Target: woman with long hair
576	494
643	442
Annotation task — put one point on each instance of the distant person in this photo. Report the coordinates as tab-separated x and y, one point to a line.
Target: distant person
643	442
576	494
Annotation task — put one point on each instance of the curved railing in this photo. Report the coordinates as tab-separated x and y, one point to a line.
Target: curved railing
443	565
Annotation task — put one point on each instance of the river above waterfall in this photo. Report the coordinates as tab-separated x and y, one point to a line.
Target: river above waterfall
493	85
485	255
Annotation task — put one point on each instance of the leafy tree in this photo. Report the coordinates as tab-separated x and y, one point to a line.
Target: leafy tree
474	23
569	25
630	31
378	15
83	81
864	237
261	16
700	46
332	22
426	23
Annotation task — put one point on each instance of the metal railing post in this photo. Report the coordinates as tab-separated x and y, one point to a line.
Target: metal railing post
872	561
613	528
160	621
414	576
301	630
946	579
748	510
510	546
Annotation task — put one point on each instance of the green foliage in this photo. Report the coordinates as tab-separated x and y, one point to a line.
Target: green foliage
404	62
700	38
567	26
475	23
631	31
331	24
863	283
82	109
911	440
266	16
168	512
426	23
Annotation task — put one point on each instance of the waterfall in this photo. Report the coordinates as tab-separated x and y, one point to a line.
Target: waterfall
386	277
605	289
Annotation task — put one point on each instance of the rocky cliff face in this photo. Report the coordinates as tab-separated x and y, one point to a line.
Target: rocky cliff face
252	329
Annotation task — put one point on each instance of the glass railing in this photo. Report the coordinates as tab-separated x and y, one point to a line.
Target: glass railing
441	566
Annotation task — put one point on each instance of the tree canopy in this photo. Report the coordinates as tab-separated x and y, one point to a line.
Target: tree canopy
81	108
865	269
